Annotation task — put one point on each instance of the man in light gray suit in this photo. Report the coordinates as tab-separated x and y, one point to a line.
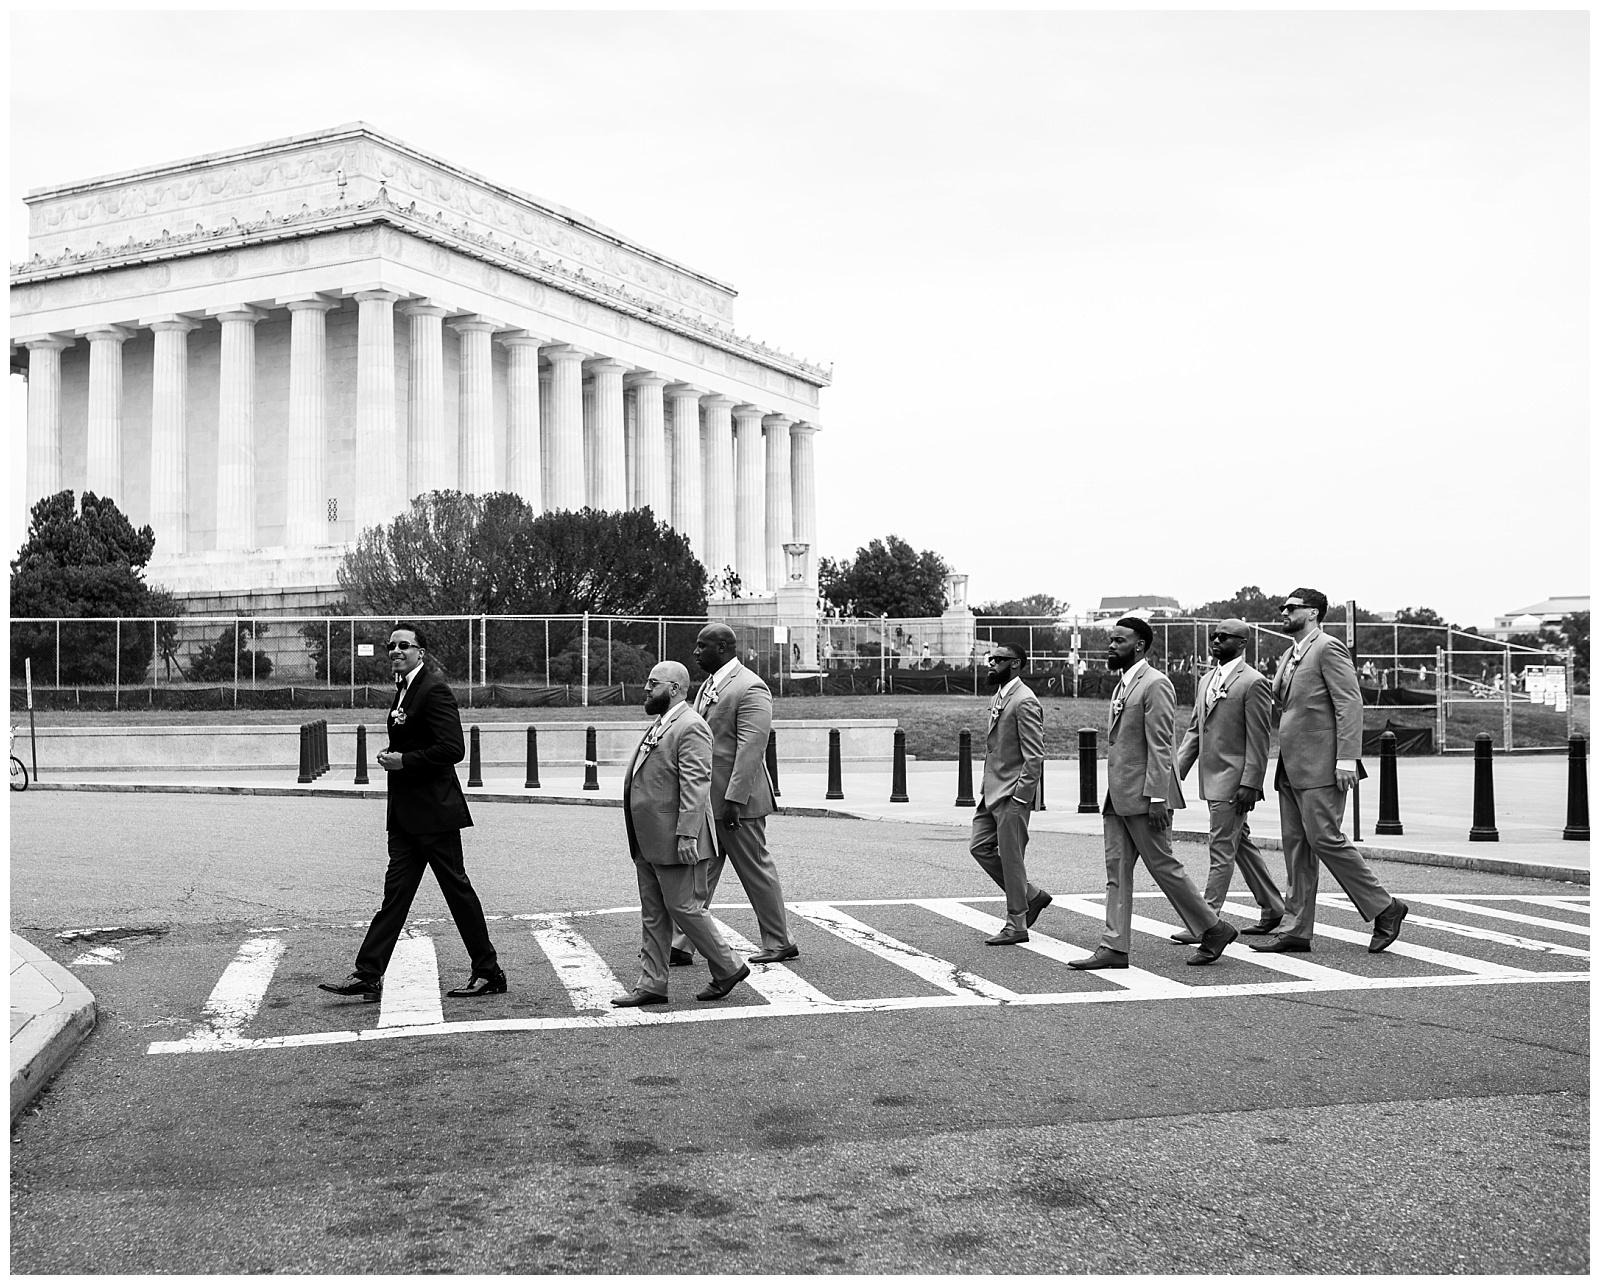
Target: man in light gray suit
1012	767
666	807
1318	702
1143	790
738	707
1229	735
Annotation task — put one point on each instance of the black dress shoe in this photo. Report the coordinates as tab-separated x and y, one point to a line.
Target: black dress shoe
1386	927
1007	936
1212	943
1264	926
1186	938
1103	957
1281	945
495	985
1037	905
775	956
368	988
638	999
721	989
679	958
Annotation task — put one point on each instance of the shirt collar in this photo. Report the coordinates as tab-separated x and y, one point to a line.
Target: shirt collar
1004	694
1128	675
411	678
1225	672
726	672
1310	637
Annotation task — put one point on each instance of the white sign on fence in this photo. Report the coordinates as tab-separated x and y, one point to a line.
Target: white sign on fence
1546	685
363	649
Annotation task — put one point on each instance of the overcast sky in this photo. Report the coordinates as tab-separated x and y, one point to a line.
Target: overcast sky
1116	303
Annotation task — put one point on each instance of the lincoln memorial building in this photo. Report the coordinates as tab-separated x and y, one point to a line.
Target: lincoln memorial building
264	351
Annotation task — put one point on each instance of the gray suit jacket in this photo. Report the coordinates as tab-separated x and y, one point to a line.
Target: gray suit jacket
1319	715
669	796
1139	747
1014	760
1231	742
741	721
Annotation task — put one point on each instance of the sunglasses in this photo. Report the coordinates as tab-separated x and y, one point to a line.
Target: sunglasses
394	646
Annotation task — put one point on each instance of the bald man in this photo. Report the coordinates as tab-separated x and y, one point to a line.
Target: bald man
666	806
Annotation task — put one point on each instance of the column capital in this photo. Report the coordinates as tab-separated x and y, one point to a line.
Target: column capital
237	312
103	333
777	420
475	323
174	321
57	342
685	390
744	410
363	294
521	339
567	352
803	426
603	365
424	308
646	378
304	302
719	401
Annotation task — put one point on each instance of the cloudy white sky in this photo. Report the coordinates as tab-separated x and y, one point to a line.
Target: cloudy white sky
1116	303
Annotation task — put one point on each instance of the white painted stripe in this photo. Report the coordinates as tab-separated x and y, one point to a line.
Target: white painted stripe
411	985
1148	984
773	982
1578	905
842	1008
238	993
102	955
587	977
1491	912
936	972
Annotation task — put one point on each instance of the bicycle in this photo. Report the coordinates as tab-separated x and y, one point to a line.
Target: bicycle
19	772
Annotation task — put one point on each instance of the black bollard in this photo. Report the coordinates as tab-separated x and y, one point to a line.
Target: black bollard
361	755
591	762
532	783
835	770
1577	790
1038	797
897	790
1087	791
772	761
322	746
474	760
964	797
305	777
1483	827
1388	788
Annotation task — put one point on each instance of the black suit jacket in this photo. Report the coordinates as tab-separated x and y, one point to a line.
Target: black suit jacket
424	795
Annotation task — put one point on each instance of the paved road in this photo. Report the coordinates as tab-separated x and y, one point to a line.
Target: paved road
901	1099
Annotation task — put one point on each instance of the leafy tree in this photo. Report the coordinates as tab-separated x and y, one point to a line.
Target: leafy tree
213	662
329	645
1035	604
886	577
1249	603
616	564
629	664
1574	633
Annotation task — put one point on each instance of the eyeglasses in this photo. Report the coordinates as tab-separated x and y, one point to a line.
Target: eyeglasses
394	646
1297	606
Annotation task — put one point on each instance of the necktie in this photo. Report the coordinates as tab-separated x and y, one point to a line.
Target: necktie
652	738
702	702
1213	690
1290	666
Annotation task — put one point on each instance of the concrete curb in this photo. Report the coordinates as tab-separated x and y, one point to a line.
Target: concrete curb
52	1012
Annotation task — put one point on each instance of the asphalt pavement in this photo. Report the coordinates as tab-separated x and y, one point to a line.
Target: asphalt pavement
943	1107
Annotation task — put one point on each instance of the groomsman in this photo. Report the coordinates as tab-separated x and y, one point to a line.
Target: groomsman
1229	735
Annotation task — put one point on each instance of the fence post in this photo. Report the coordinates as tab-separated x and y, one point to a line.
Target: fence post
835	771
116	690
475	760
897	787
483	649
772	761
1388	787
1483	827
591	756
470	666
361	755
1572	697
1439	691
583	653
1505	705
352	662
964	797
1087	791
532	783
58	657
1577	787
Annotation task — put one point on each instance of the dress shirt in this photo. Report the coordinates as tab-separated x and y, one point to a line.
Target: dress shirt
1222	673
716	683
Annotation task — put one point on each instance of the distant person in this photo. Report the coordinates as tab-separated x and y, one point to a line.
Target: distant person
1319	761
927	656
1228	737
1013	764
426	814
1142	791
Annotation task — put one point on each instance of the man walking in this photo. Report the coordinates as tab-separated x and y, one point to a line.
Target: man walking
1229	735
1319	761
1138	811
426	815
666	807
1012	766
738	707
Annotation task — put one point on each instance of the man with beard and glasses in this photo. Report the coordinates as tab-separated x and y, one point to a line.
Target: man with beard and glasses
1012	767
666	807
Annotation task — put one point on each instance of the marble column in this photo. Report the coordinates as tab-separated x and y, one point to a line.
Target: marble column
236	430
610	465
688	500
476	403
306	513
650	447
630	442
169	434
523	404
428	444
44	416
566	427
103	467
780	501
378	480
803	485
750	521
546	419
717	458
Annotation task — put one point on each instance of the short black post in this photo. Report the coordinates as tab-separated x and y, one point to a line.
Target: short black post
1038	796
474	759
532	783
897	789
591	762
322	746
964	797
305	777
1483	827
1087	768
1388	787
835	770
772	761
361	755
1577	789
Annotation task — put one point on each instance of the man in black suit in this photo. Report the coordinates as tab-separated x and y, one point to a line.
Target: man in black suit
427	813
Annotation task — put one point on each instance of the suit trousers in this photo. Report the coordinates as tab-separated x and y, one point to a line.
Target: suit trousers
409	856
1311	832
1128	839
1230	841
999	845
674	897
746	847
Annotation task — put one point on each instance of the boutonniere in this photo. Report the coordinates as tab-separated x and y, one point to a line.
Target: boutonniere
710	697
398	717
1117	707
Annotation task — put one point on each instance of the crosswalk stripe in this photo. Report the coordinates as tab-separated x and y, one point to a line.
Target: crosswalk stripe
1578	905
773	982
237	996
411	985
937	972
587	977
1477	933
1492	912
